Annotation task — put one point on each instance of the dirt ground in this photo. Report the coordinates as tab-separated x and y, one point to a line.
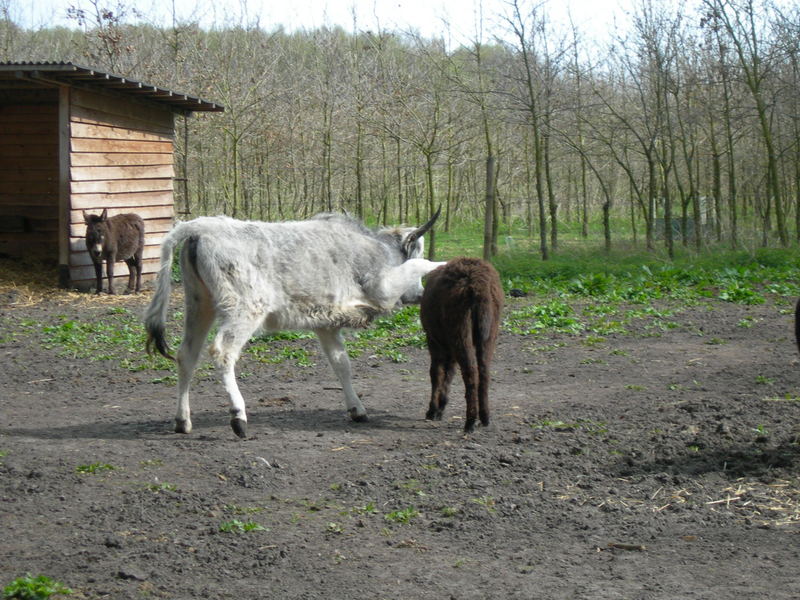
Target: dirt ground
662	463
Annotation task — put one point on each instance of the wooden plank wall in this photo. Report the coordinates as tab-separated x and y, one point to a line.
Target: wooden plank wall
121	158
29	179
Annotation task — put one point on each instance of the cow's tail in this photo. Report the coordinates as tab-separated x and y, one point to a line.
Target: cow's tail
155	317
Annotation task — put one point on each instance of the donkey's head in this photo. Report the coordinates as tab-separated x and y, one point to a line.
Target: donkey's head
96	232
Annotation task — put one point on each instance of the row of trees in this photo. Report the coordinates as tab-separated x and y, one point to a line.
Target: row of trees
681	128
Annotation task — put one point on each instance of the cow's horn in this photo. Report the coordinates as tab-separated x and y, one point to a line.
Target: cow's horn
420	231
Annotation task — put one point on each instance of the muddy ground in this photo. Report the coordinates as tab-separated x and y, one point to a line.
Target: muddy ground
661	463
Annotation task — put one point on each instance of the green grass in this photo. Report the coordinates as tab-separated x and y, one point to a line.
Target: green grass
580	291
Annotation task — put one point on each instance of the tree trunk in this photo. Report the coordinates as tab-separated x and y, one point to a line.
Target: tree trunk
489	210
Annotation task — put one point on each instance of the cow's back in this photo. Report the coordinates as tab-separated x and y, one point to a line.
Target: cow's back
296	274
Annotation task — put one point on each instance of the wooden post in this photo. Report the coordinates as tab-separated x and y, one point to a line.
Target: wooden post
64	203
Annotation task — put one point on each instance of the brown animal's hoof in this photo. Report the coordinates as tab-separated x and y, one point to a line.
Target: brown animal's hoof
182	426
469	426
357	417
433	415
239	427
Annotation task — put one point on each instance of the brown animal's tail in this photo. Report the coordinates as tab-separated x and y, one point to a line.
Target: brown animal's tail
156	315
797	324
482	324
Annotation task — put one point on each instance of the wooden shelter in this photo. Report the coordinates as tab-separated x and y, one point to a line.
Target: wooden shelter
75	139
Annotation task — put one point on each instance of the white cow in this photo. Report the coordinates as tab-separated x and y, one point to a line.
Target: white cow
322	275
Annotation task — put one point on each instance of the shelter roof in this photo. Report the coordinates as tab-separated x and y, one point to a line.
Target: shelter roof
67	73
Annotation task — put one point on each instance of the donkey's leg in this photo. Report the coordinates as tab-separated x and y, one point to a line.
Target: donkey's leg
441	372
131	262
484	377
233	334
468	363
98	275
110	259
197	321
332	344
139	256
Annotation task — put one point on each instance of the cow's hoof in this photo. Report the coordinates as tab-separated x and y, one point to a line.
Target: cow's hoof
183	426
239	427
358	418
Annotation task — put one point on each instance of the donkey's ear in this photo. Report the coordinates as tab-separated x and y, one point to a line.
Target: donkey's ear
104	216
85	218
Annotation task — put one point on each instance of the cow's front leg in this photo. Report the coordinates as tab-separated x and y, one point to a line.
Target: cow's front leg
332	344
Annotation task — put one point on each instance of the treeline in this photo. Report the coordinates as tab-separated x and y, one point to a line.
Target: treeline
681	128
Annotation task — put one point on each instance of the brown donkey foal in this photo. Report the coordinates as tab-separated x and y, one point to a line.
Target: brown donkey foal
120	237
460	313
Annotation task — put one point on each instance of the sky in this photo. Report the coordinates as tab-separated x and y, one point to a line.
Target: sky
430	18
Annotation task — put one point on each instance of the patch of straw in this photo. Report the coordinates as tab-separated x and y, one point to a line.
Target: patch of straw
25	283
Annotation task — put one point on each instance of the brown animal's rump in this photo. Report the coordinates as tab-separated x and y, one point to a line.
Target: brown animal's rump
460	313
112	239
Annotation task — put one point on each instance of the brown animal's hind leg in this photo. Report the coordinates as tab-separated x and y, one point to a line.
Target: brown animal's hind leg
138	257
483	393
469	373
441	373
132	281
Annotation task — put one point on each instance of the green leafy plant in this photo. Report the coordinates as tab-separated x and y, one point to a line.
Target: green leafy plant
94	468
403	516
40	587
368	509
555	315
236	526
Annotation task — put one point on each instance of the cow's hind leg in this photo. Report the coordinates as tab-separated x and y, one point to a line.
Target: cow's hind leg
332	344
197	321
233	334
